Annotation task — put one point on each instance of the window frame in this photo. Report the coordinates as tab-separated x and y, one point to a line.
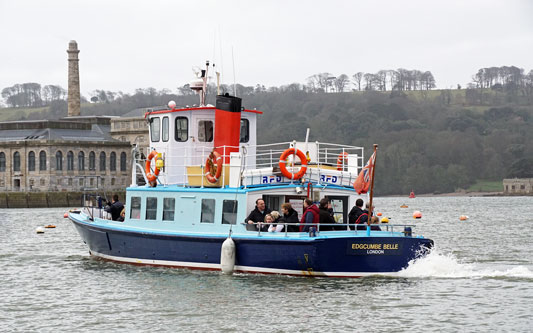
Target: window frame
165	129
59	160
135	207
169	209
213	210
203	131
151	209
31	161
155	122
234	210
247	137
178	130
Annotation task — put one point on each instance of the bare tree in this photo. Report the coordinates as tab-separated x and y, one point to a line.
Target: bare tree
341	82
357	78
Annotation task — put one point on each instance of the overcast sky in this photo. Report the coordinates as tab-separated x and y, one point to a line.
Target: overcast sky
154	43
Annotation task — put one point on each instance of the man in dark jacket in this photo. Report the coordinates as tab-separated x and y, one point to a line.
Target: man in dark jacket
290	216
114	208
257	215
325	215
356	212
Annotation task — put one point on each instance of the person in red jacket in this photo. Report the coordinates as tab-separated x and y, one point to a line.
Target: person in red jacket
310	216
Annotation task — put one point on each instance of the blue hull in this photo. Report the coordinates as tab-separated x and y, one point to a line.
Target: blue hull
345	255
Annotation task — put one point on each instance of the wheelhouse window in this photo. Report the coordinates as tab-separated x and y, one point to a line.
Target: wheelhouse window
135	210
151	208
113	161
205	131
102	161
123	161
229	212
31	161
2	162
92	161
181	133
208	211
81	161
245	130
59	160
70	161
168	209
165	129
42	161
154	129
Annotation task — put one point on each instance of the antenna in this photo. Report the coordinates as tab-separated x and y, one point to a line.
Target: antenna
234	85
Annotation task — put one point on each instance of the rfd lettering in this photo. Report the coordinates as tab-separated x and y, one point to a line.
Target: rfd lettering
270	179
328	179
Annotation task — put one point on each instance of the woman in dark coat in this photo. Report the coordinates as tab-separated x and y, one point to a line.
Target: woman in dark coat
290	216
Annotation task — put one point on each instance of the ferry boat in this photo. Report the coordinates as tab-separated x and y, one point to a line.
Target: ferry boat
202	178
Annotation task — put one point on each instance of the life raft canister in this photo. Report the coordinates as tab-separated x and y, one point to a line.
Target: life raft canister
213	165
283	163
152	177
342	161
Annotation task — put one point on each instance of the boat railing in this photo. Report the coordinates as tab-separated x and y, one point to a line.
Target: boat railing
342	162
353	228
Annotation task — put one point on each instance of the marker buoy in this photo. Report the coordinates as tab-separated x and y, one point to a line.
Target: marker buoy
39	230
417	214
463	217
227	256
404	206
385	220
65	215
379	214
50	226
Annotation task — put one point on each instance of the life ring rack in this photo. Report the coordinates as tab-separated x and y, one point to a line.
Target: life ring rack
283	163
152	177
213	160
342	161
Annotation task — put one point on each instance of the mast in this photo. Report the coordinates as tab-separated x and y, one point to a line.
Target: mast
370	208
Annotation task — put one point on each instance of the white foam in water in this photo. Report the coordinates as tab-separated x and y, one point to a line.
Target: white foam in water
441	265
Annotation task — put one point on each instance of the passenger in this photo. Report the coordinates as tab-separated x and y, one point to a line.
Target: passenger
114	208
276	225
355	213
257	215
310	216
325	216
290	216
122	215
363	218
263	226
374	220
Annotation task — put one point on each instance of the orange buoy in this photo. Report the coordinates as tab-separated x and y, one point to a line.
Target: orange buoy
417	214
404	206
463	217
411	195
50	226
65	215
379	214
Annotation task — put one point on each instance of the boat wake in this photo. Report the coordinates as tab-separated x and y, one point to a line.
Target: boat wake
440	265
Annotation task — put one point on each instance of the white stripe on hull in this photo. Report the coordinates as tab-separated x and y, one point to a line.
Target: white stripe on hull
241	269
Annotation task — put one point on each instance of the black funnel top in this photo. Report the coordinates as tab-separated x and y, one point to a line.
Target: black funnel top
228	103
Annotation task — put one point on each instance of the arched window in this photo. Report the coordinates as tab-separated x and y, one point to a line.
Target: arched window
31	161
70	161
123	161
2	162
81	161
42	160
113	162
102	161
16	161
59	161
92	161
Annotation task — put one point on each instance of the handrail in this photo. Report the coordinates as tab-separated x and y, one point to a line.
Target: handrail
318	225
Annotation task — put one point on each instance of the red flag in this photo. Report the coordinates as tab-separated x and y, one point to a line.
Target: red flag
362	183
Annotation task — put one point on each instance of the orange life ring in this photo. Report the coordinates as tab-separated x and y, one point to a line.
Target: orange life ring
147	167
213	165
283	162
342	161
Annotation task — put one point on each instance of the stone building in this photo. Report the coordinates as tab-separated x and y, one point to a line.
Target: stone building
72	154
518	186
133	128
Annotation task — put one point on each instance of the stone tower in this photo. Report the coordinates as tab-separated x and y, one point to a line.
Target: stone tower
73	80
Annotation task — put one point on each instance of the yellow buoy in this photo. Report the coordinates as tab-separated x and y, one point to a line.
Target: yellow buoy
385	220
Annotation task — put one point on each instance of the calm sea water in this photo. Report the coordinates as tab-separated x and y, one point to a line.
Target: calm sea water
478	278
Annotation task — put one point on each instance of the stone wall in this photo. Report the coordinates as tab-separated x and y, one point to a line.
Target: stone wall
47	199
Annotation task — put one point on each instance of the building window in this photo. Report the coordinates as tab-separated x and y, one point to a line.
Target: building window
181	133
123	161
91	181
16	161
42	161
112	181
151	208
42	182
245	130
168	209
154	129
80	182
92	161
32	182
165	129
229	212
70	182
70	161
31	161
113	161
522	187
102	181
135	211
208	211
102	161
205	131
2	162
58	181
81	161
59	160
